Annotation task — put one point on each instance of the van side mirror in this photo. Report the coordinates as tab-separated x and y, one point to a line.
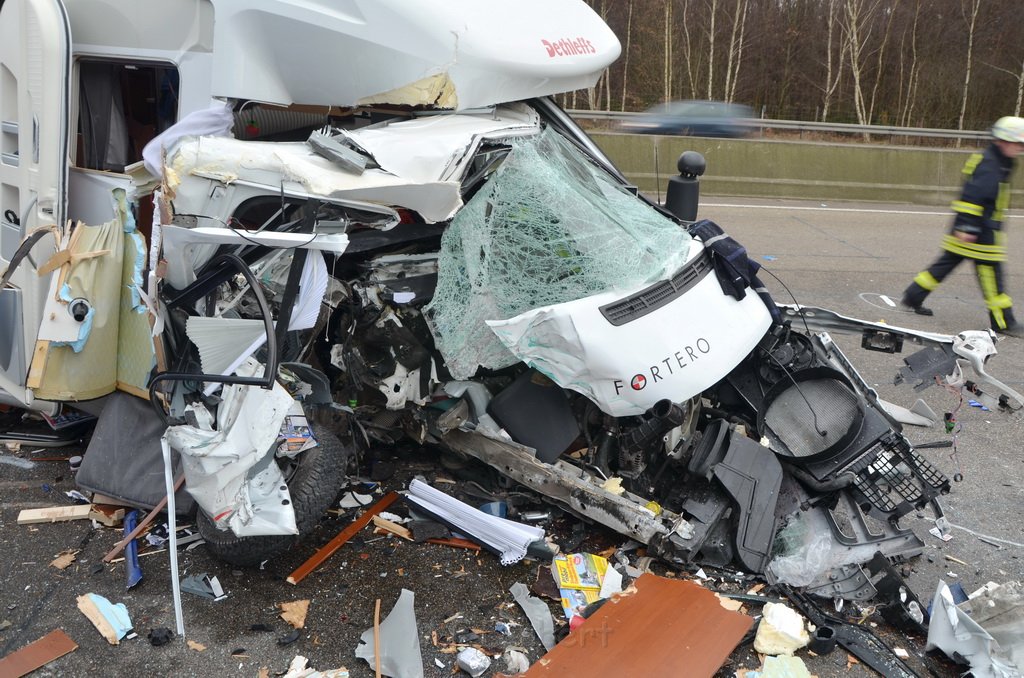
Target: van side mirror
683	193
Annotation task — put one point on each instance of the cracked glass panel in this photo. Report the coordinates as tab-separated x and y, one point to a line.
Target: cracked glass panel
549	227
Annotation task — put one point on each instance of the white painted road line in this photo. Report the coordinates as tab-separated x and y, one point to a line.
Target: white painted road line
826	208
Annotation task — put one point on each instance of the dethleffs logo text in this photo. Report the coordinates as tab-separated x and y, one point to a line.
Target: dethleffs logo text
666	367
568	47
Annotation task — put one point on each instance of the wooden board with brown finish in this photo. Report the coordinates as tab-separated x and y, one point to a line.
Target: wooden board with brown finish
36	654
659	627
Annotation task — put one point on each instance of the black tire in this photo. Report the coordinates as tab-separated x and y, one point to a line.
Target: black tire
314	482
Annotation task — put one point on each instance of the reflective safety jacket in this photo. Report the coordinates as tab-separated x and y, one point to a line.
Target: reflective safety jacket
983	202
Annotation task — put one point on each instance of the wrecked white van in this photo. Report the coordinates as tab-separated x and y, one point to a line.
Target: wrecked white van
300	229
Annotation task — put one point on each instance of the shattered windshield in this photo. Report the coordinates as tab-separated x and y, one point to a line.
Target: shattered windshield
548	227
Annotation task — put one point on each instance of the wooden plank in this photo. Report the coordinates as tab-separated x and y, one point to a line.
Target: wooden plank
143	524
36	654
323	554
387	527
39	355
111	516
131	389
455	542
54	514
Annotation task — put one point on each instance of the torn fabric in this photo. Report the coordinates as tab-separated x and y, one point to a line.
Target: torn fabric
217	120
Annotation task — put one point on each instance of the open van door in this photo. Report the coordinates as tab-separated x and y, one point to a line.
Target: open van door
35	82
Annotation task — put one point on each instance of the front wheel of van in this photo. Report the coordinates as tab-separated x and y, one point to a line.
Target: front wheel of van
314	479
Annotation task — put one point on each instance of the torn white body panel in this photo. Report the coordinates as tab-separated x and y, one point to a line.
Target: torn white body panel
269	164
452	54
437	147
398	641
187	249
673	352
231	471
952	630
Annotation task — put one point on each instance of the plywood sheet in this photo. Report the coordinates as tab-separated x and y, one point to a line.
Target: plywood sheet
36	654
658	627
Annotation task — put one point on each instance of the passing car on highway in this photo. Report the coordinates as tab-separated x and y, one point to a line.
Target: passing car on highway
693	118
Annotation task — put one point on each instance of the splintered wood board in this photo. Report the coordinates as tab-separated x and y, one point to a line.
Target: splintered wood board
54	514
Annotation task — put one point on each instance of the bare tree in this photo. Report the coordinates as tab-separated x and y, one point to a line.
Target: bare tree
880	61
972	22
732	70
625	59
691	62
713	14
832	76
668	51
858	16
908	92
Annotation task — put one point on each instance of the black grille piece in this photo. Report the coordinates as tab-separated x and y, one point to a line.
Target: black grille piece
657	295
895	479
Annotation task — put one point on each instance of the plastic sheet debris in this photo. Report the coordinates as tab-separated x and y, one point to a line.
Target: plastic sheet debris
112	621
516	662
537	612
505	537
351	500
473	661
781	630
801	554
204	586
1000	611
299	668
952	630
778	667
399	641
289	638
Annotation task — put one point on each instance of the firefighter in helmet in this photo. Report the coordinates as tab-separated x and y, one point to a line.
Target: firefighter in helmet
977	229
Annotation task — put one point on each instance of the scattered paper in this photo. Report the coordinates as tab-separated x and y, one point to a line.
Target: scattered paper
295	612
62	561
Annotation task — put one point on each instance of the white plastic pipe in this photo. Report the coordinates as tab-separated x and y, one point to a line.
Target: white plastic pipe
172	535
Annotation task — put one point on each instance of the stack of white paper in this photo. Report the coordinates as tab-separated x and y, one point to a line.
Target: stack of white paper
507	537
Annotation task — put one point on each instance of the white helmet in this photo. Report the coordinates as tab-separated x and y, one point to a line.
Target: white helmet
1009	128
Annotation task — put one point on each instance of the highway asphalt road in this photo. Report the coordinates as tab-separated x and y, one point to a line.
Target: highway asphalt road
837	256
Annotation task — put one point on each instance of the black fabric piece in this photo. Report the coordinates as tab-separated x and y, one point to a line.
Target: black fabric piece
160	636
735	270
124	459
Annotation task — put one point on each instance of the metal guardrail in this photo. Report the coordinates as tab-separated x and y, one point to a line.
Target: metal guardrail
802	126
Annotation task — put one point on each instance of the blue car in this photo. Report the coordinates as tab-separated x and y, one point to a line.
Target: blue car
693	118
